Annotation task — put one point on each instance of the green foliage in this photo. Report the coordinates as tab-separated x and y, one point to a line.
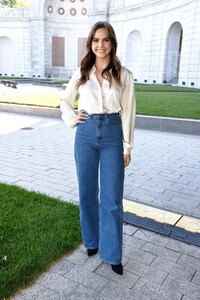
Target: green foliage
35	230
10	3
14	3
21	4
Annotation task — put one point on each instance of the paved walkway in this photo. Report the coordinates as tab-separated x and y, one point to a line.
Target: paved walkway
37	153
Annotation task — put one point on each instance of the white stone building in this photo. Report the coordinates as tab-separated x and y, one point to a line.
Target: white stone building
159	40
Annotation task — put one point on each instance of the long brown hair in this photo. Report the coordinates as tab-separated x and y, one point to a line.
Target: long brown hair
88	61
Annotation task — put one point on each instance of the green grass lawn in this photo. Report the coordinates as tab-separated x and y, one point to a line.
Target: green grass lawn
168	101
141	87
154	100
46	100
165	104
35	230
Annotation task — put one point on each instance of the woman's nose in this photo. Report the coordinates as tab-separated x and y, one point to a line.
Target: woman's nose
100	43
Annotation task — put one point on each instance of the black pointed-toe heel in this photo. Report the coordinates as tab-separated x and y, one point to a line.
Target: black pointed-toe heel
91	252
117	269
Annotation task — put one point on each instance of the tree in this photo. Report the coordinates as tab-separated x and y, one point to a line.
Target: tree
21	4
10	3
14	3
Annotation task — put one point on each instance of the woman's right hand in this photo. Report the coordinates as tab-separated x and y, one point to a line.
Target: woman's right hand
81	118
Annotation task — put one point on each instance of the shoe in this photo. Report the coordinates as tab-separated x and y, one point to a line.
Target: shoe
91	252
117	269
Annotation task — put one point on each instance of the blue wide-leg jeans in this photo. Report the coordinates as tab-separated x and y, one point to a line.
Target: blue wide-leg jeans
100	172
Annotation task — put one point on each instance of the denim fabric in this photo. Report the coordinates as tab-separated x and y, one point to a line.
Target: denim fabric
100	171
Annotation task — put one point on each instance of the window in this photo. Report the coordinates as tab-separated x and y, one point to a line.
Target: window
58	51
81	49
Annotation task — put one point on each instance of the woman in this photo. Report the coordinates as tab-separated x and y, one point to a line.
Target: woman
103	141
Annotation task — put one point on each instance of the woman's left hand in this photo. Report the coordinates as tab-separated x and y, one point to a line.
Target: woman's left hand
127	159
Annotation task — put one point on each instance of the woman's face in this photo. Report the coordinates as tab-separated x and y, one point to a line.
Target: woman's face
101	44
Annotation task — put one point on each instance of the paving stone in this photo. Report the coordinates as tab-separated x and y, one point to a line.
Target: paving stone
118	292
176	207
7	179
129	188
195	214
174	195
166	196
61	267
149	188
162	252
177	187
133	242
138	255
44	190
83	276
63	188
190	261
92	263
153	291
189	203
30	293
45	184
128	279
183	248
48	295
196	278
189	170
152	183
151	237
174	269
27	186
145	193
78	256
146	199
85	293
129	229
144	271
185	287
57	283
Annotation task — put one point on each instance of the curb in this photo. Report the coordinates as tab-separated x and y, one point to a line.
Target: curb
31	110
175	125
173	225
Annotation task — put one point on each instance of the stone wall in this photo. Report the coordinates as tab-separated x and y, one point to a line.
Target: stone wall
159	40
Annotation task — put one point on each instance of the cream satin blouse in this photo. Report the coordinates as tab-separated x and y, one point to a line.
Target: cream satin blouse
96	99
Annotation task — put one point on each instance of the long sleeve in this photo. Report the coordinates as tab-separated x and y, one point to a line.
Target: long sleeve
128	112
96	99
68	99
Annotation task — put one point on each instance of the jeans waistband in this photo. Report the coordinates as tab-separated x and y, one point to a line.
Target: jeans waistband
103	116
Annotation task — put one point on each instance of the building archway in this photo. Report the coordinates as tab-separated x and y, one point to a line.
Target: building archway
7	65
173	53
133	53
